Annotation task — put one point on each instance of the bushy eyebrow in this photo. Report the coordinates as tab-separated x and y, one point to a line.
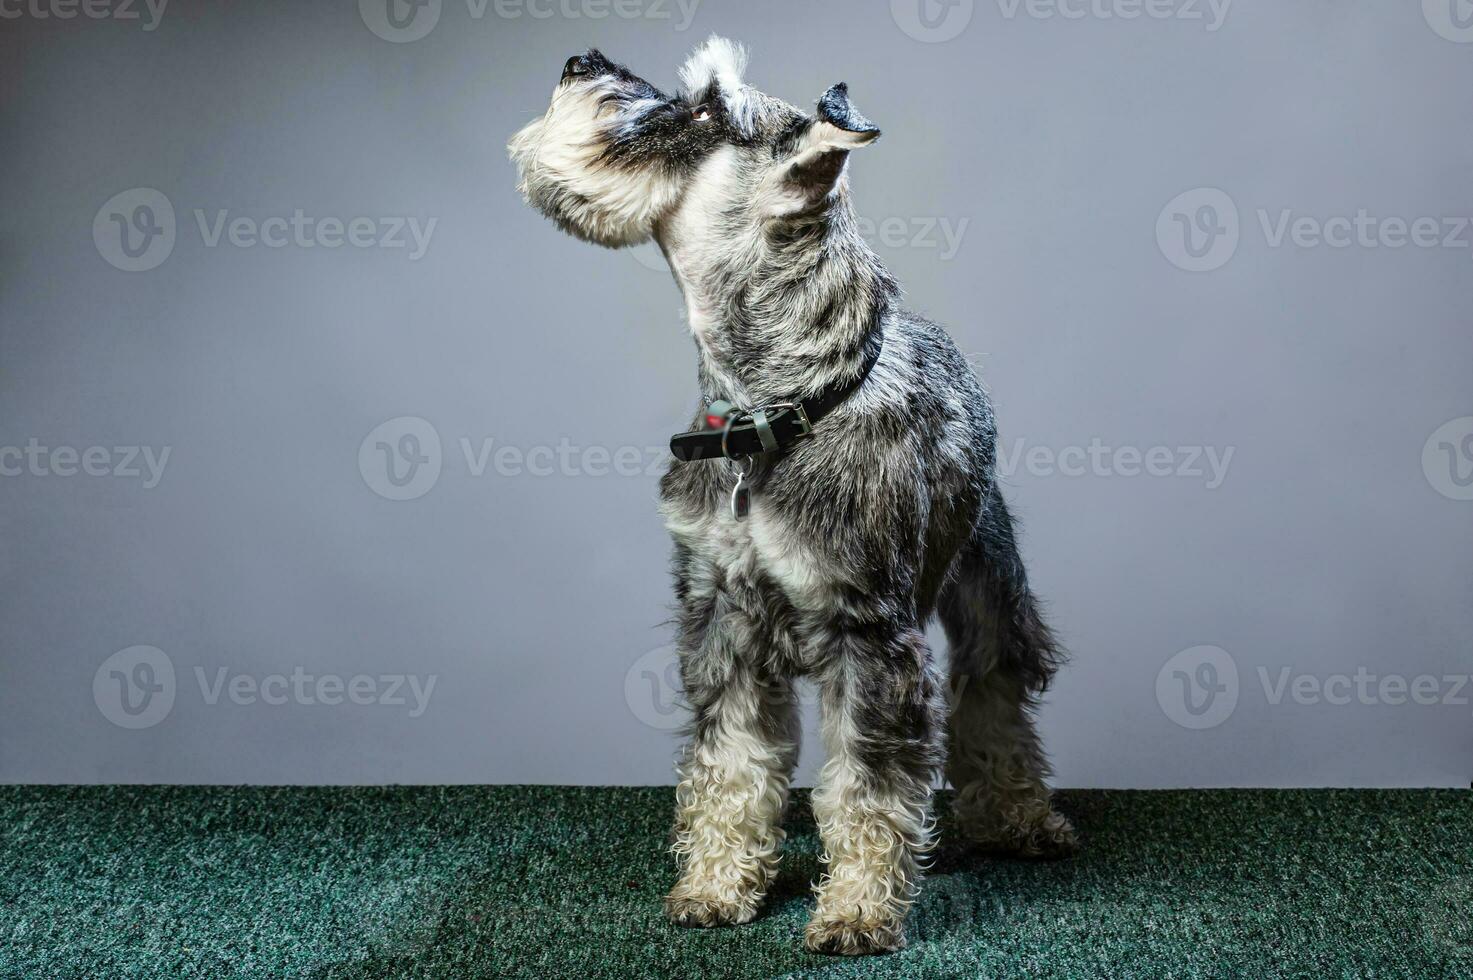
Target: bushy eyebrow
714	72
711	93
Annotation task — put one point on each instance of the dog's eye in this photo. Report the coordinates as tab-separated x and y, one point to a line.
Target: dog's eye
701	113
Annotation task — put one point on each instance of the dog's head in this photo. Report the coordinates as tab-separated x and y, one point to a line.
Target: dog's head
613	156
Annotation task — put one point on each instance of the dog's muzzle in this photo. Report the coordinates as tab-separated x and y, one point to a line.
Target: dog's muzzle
576	67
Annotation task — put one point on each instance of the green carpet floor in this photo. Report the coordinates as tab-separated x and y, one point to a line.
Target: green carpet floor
566	882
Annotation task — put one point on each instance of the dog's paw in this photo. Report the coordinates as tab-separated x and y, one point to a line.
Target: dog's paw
848	937
1049	837
684	908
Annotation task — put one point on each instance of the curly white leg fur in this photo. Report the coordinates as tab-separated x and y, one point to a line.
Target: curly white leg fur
729	804
873	804
873	841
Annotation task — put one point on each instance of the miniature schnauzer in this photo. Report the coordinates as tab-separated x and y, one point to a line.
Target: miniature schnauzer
836	490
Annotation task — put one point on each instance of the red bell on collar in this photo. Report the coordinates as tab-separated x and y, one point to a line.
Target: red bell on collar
717	413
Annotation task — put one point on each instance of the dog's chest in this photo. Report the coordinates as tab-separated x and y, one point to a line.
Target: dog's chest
765	545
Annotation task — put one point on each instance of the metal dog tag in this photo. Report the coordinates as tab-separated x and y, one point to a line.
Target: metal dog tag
741	494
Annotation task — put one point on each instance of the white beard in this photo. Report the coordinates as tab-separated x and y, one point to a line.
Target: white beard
563	176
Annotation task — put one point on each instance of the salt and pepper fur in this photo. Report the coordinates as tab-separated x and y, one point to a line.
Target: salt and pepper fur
888	514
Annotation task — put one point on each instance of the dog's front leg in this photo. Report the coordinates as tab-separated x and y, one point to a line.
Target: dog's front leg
883	722
734	775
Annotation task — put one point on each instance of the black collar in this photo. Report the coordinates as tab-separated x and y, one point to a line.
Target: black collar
750	431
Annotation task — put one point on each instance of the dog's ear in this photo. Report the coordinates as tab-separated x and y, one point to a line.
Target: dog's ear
835	109
821	149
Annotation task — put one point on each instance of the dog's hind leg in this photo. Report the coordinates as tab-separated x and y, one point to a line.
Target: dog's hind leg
1002	657
736	768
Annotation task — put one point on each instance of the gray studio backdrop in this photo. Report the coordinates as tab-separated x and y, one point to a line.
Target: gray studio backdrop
324	460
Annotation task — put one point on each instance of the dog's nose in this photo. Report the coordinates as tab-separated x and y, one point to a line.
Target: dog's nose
575	66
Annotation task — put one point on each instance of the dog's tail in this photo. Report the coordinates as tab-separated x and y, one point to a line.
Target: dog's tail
991	616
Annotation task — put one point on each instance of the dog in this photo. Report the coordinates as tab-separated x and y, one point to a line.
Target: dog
811	546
